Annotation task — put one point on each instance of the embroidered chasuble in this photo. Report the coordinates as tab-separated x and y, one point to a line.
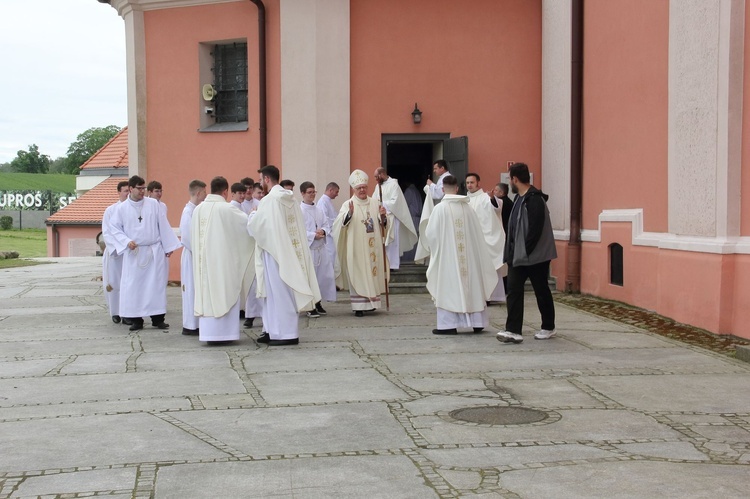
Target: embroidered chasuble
460	275
359	245
223	255
492	227
395	204
279	231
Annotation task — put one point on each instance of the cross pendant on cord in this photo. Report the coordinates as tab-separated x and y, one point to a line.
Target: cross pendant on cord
139	219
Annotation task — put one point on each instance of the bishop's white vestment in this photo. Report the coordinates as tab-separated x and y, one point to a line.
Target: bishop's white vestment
460	275
359	245
494	235
143	290
223	266
284	269
401	236
111	264
189	320
315	219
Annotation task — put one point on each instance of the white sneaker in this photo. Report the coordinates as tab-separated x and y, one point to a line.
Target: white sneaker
508	337
543	334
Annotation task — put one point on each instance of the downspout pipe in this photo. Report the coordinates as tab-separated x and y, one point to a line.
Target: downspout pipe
263	118
573	272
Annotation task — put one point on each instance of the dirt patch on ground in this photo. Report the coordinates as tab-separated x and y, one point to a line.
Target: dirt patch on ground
652	322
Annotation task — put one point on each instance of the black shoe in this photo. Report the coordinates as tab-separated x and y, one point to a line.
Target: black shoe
137	326
359	313
161	325
263	338
218	343
313	314
127	322
478	329
248	322
190	332
281	343
320	309
370	310
444	331
116	319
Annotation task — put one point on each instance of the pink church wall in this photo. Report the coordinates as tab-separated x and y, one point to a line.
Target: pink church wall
625	109
745	182
473	67
73	240
176	151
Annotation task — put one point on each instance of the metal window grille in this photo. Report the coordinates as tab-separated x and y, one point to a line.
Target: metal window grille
230	74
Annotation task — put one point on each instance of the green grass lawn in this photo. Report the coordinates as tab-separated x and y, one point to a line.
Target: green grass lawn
30	243
37	182
16	262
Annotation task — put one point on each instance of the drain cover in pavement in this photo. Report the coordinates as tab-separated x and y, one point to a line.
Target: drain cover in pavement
499	415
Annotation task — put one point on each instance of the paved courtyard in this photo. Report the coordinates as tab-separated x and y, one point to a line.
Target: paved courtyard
366	407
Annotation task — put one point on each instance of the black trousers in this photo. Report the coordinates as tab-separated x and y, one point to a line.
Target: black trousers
538	275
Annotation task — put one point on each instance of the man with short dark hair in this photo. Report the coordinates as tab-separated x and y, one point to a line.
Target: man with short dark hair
401	235
460	275
142	234
286	274
435	189
223	272
318	229
111	260
197	191
287	184
529	248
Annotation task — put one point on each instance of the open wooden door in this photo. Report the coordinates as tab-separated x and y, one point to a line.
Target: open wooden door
456	152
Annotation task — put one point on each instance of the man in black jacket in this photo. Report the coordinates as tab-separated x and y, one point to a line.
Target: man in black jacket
529	248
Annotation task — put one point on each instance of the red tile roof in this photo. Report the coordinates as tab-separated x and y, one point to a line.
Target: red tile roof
114	154
89	208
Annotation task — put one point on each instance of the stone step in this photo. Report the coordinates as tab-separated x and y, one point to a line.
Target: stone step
407	288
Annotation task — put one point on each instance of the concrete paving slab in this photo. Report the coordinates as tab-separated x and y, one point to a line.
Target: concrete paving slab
299	359
97	364
21	368
65	348
79	481
31	330
70	308
300	430
550	393
96	387
61	291
470	343
628	480
358	476
11	291
326	386
713	393
680	451
90	408
97	440
179	361
438	384
439	403
462	479
608	339
493	457
723	433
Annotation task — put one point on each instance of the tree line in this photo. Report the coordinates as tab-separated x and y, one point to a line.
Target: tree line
80	150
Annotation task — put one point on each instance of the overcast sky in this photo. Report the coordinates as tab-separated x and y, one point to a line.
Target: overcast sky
63	72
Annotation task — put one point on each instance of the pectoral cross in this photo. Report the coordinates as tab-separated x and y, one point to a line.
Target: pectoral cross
139	219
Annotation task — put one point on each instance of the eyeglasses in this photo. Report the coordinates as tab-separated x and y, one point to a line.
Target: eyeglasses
140	188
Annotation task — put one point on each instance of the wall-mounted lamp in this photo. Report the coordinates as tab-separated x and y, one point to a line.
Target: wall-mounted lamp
416	115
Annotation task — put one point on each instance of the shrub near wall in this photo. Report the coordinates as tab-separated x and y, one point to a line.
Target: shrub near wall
6	222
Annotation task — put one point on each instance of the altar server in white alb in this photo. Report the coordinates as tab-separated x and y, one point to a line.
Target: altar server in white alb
325	203
460	276
223	265
402	235
284	269
435	189
238	196
145	239
197	190
112	260
318	229
359	244
492	228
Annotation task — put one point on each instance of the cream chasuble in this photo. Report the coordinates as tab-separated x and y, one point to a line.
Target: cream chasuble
395	205
359	245
279	231
223	254
492	227
460	276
